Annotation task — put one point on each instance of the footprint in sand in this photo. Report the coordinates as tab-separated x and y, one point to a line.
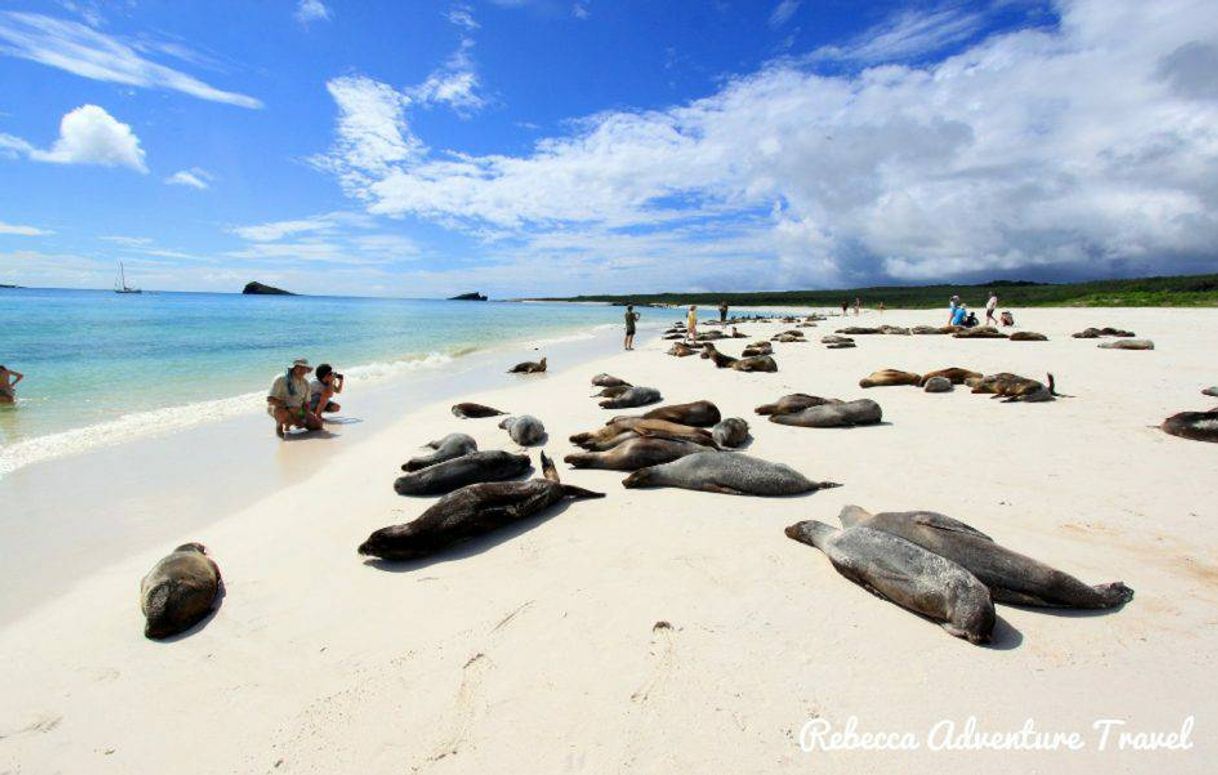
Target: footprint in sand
468	705
663	647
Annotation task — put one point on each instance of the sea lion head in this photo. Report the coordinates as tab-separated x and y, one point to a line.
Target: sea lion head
644	477
193	546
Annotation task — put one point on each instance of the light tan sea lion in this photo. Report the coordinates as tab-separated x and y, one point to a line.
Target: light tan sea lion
179	591
1128	344
529	367
681	350
1013	387
886	377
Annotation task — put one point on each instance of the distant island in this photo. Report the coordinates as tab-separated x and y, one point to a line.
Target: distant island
1182	291
2	285
475	296
258	289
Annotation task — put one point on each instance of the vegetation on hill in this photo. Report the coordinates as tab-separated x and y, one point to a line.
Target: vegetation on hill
1183	291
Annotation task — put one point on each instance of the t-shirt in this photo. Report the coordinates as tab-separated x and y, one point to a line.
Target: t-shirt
692	319
294	399
316	387
992	303
958	316
630	318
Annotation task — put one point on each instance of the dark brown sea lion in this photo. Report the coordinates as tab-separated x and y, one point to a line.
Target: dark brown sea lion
755	363
468	409
845	414
673	336
858	330
700	414
634	453
935	329
731	432
794	402
608	380
612	392
529	367
956	374
1013	387
1128	344
788	337
729	473
835	339
886	377
635	396
609	436
451	446
1094	333
757	348
980	332
179	591
1011	577
1210	391
1028	336
469	512
906	574
489	466
1199	426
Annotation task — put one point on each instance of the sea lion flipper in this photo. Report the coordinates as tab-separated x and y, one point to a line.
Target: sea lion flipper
547	468
944	522
571	491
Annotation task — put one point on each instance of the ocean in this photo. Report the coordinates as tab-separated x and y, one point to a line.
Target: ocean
101	368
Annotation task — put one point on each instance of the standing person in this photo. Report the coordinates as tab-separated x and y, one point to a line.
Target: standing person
8	385
723	312
287	400
881	308
845	306
632	317
691	323
326	384
951	310
990	307
858	305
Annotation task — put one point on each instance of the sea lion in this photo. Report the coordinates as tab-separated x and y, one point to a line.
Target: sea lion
894	330
179	591
471	511
673	336
699	414
980	332
906	574
934	329
835	339
757	348
608	380
635	396
1210	391
529	367
1095	333
609	436
955	374
1198	426
468	409
451	446
710	336
886	377
755	363
845	414
1128	344
681	350
840	346
731	474
526	430
788	337
612	392
490	466
731	432
1011	577
634	453
858	330
794	402
1028	336
937	385
1013	387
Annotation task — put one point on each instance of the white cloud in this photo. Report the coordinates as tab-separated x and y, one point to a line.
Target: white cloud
308	11
83	51
580	10
455	84
1019	154
130	242
462	16
22	231
341	238
783	12
195	177
88	135
908	35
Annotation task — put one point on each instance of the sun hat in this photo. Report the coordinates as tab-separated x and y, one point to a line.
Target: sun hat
302	362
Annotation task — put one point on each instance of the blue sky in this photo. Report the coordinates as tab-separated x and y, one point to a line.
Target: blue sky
559	146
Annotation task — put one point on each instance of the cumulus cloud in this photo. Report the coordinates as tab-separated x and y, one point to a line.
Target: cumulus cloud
309	11
22	231
87	135
1074	148
84	51
195	177
342	238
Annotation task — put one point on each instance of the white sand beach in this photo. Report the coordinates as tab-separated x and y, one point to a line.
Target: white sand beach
540	648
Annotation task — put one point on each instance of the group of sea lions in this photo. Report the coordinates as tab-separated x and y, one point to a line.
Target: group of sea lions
809	411
946	570
1004	385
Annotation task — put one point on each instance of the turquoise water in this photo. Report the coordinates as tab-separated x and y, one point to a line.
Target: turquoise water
100	365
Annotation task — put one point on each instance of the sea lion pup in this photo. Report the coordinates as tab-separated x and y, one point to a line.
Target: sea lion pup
526	430
1028	336
937	385
1013	387
1011	577
730	474
529	367
1128	344
490	466
681	350
845	414
635	396
1094	333
731	432
468	410
754	363
757	348
886	377
957	375
794	402
612	392
179	591
980	332
699	414
451	446
471	511
609	436
906	574
634	453
835	339
1198	426
608	380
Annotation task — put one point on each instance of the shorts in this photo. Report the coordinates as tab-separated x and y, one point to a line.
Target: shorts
330	405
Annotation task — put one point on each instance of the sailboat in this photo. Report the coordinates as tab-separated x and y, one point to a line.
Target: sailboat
121	285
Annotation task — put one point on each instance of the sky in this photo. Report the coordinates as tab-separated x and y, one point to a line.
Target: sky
553	147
